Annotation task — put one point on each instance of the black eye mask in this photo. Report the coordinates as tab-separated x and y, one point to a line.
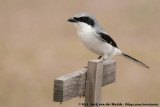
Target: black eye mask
85	20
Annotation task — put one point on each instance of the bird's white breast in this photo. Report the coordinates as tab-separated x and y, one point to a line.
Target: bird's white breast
87	35
92	42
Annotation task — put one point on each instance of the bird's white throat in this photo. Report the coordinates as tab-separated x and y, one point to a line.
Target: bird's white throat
86	33
83	28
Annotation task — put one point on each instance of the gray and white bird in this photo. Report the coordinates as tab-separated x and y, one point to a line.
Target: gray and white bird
96	39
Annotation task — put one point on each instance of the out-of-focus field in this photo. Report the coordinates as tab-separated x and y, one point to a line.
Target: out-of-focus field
37	45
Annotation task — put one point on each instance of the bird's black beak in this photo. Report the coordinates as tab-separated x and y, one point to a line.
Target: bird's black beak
72	19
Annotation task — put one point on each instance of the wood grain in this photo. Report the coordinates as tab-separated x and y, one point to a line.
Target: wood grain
73	84
93	83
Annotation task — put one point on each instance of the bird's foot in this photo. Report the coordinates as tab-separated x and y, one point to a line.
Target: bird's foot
104	59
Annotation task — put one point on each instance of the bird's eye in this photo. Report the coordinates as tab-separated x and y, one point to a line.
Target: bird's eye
84	19
87	20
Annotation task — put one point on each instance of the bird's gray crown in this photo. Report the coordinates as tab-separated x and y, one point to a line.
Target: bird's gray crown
84	14
89	19
85	18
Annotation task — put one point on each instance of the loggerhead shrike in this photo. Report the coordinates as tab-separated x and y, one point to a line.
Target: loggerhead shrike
96	39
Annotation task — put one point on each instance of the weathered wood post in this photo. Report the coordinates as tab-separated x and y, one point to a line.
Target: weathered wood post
93	83
85	82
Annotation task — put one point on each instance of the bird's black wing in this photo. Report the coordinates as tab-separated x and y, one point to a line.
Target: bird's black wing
105	37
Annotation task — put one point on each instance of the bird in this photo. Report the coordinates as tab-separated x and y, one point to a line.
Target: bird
96	39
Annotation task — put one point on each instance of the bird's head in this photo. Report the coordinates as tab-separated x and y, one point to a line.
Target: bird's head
84	20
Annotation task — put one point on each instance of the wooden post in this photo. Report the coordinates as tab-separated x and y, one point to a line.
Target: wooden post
93	83
74	84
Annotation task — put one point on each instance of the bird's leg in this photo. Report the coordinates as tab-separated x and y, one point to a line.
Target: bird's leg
99	57
105	58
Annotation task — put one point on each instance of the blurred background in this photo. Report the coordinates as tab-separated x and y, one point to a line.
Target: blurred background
37	45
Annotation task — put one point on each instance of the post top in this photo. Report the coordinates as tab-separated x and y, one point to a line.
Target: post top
108	61
95	60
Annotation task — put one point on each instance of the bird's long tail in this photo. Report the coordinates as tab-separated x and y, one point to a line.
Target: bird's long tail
135	60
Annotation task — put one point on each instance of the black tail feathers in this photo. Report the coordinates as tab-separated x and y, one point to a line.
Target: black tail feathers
135	60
